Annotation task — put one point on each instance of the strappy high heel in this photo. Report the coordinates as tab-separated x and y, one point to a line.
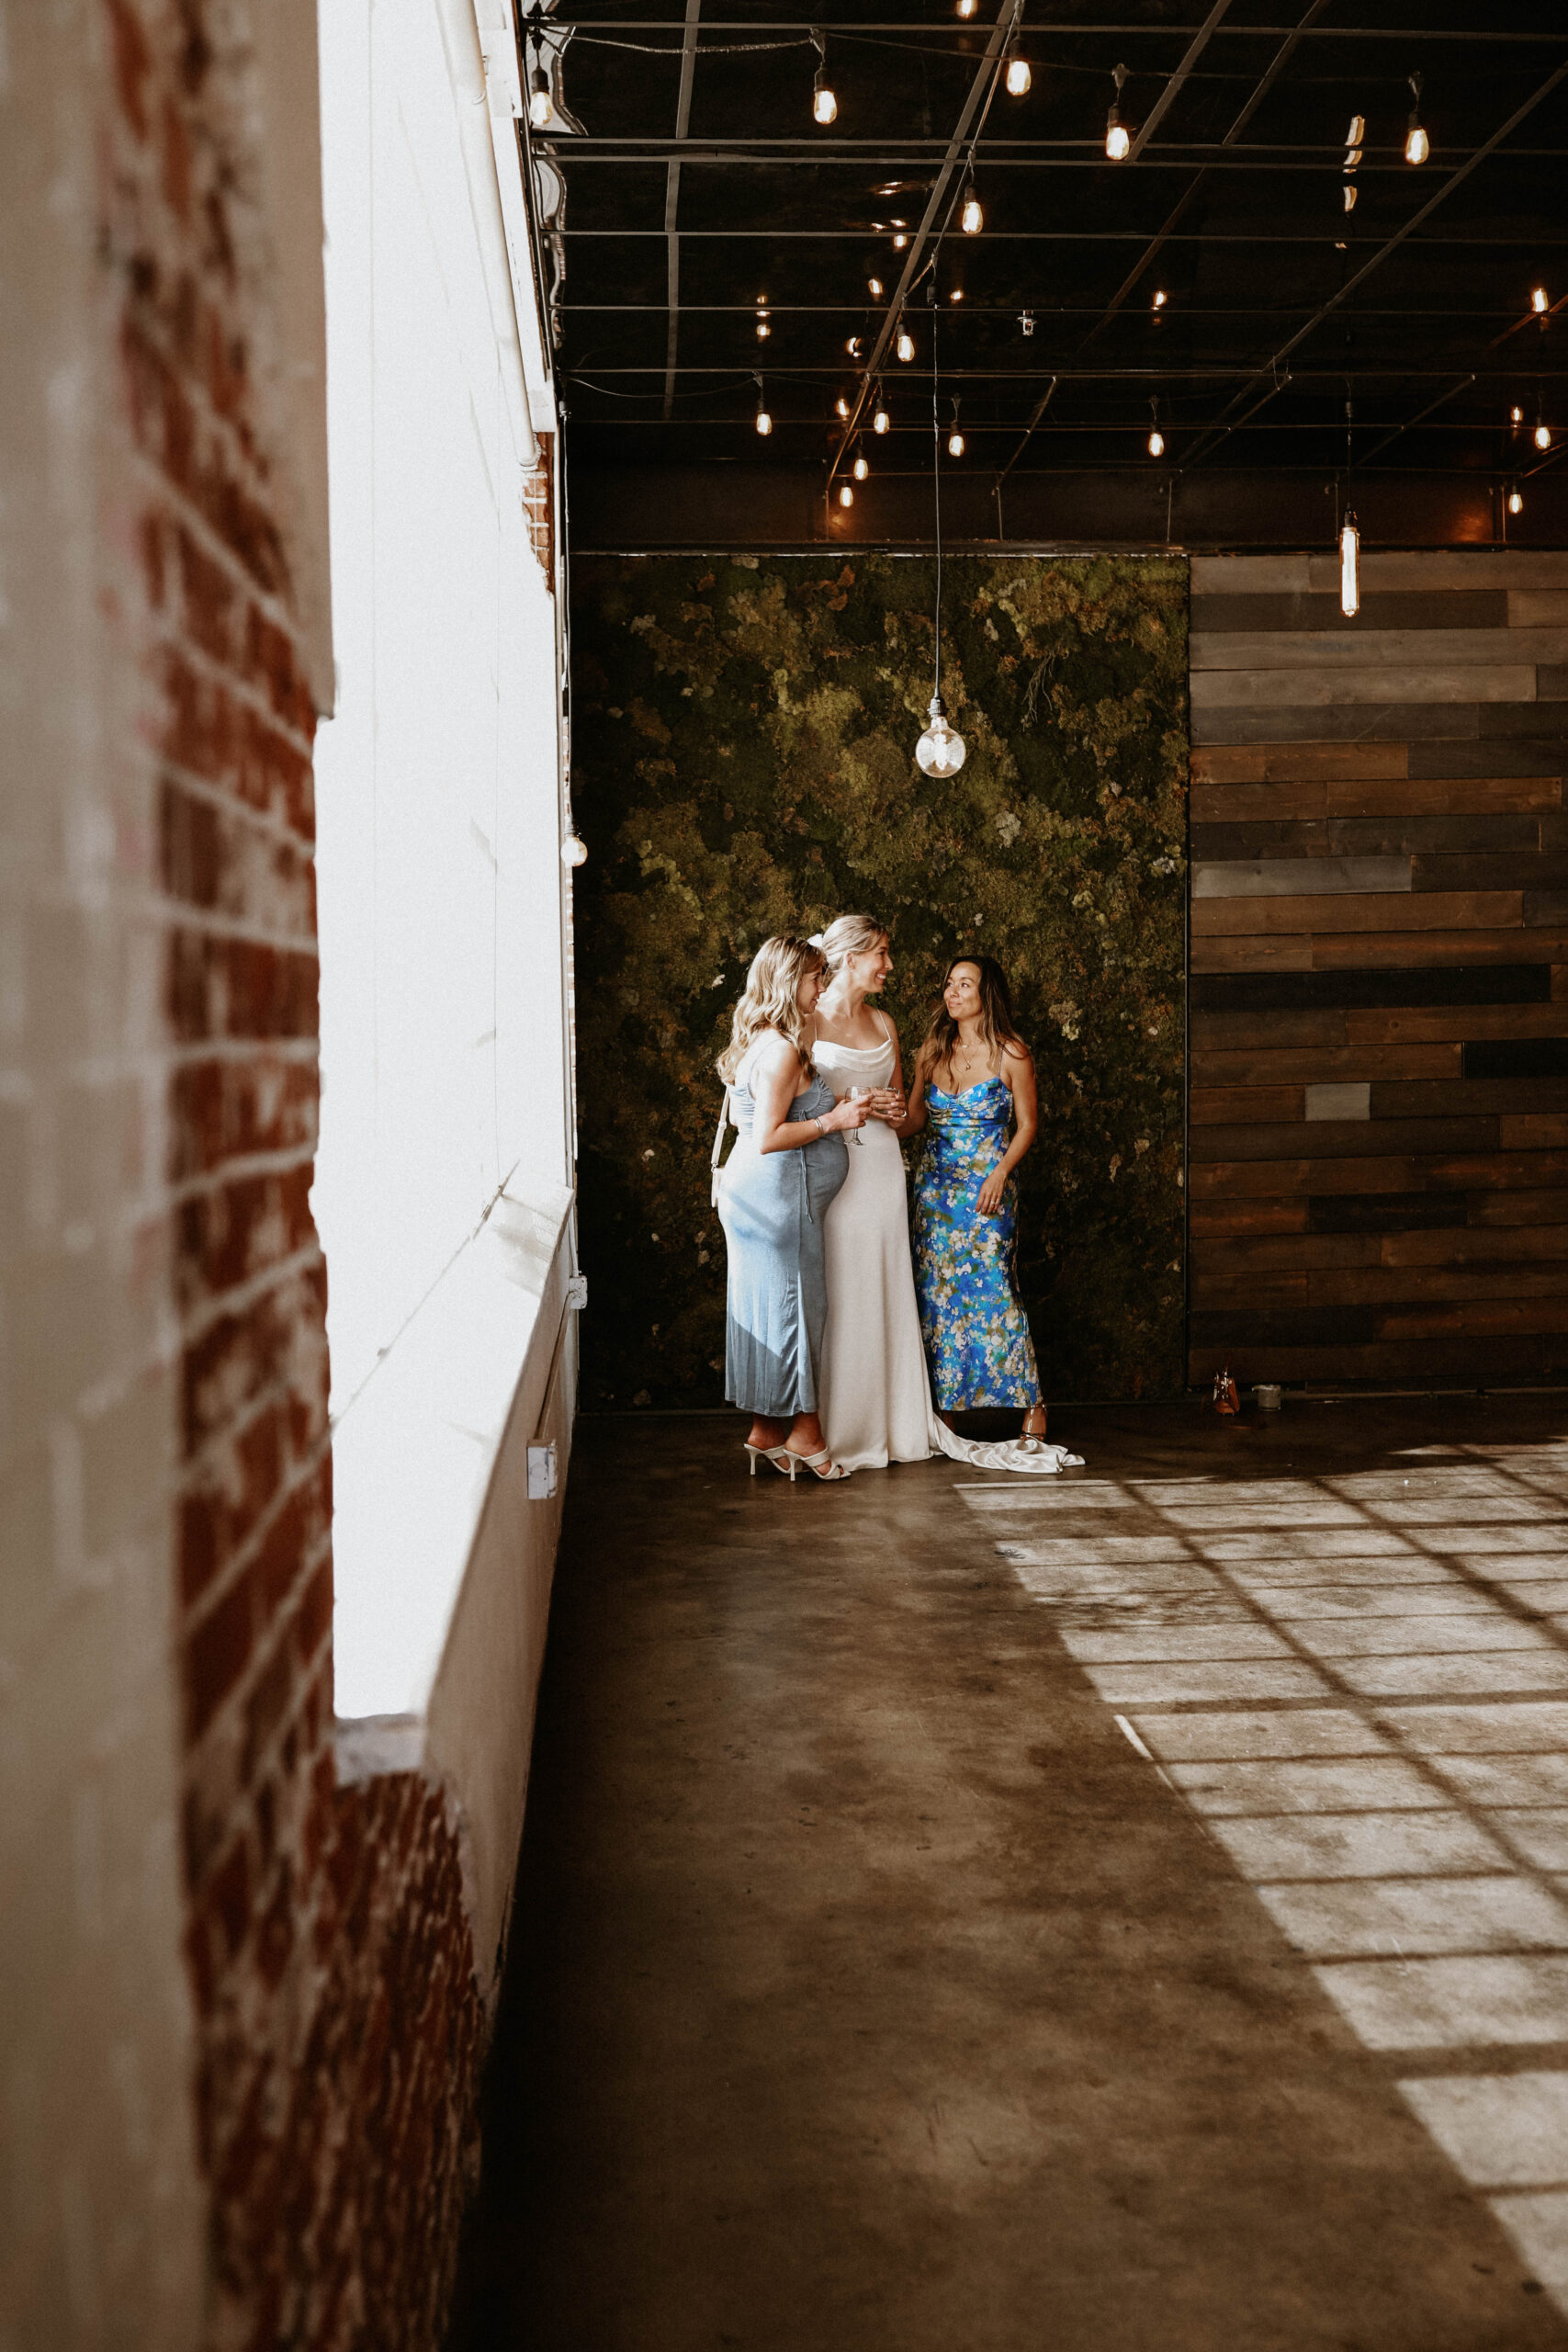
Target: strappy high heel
810	1461
764	1454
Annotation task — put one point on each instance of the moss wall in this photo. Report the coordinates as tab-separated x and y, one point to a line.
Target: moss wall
744	733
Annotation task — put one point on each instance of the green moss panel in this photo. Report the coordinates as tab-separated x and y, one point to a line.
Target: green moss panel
743	763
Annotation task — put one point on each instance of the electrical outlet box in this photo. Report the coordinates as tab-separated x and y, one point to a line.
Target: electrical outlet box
576	1291
541	1473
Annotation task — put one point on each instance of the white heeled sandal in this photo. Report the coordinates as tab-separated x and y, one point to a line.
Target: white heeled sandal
811	1462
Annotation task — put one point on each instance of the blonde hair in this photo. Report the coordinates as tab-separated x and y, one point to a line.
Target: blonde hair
848	935
771	1000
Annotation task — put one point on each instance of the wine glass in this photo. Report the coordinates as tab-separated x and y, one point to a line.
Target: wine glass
856	1094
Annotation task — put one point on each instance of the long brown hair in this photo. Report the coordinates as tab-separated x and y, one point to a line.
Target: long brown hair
997	1024
771	1000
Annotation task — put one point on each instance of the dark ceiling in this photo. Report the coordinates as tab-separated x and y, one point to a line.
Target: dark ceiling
701	189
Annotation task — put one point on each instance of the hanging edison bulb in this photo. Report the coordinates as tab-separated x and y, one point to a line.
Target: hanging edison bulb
873	287
899	242
846	496
861	466
1017	74
971	220
881	420
905	345
956	443
1543	437
1118	138
1538	298
841	407
824	105
967	7
1516	415
1417	146
1160	297
941	749
1516	503
764	422
1157	443
1349	567
853	346
541	105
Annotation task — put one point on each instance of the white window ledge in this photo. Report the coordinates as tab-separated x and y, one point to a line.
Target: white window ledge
442	1563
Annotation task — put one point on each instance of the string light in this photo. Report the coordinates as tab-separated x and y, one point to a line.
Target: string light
853	346
955	445
956	295
873	287
905	345
841	407
763	329
1417	146
1516	503
1542	435
824	105
541	105
881	420
861	466
1160	297
764	422
1017	74
1118	138
846	496
967	7
971	220
1356	136
1537	300
1351	195
899	242
1516	415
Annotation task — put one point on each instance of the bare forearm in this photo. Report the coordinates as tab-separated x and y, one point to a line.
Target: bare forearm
794	1134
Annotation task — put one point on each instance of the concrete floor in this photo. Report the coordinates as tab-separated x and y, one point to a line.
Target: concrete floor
1122	1912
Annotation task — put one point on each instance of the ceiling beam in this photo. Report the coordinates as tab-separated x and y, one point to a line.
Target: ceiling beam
1455	179
1166	97
672	204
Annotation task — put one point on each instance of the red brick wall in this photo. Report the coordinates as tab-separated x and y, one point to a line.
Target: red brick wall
340	2028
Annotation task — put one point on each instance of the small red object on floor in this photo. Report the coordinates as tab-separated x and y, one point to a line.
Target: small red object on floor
1226	1399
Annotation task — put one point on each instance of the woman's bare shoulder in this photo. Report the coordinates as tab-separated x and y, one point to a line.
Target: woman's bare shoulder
1016	1053
774	1050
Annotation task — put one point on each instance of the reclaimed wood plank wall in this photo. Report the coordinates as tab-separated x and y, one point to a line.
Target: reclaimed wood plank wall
1378	1154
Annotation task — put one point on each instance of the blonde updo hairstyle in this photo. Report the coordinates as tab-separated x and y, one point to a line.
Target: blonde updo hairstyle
850	935
771	1000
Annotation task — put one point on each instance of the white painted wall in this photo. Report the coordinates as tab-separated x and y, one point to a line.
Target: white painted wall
444	1045
102	2215
437	780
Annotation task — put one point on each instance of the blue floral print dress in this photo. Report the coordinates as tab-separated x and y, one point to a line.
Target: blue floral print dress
976	1334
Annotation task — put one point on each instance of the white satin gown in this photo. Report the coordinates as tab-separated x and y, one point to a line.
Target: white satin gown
874	1387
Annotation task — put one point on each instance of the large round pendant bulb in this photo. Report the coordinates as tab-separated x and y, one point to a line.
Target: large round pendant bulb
1018	77
846	496
1349	569
1543	437
941	749
971	220
1118	140
573	851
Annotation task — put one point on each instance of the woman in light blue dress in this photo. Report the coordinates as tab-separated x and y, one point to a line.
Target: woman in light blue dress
786	1167
974	1077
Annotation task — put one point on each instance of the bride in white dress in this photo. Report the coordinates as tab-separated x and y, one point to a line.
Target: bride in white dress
873	1382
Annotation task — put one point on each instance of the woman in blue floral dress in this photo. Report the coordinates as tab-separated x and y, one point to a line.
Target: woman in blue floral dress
973	1077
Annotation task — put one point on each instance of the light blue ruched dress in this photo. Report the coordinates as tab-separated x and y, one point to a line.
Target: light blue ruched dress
772	1205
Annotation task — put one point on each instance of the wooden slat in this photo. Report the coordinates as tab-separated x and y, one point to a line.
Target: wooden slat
1434	1287
1451	608
1265	653
1266	1029
1532	1130
1465	1023
1275	1067
1312	840
1300	689
1445	796
1475	1319
1463	1362
1299	878
1377	911
1496	1171
1336	952
1330	1139
1252	575
1538	608
1217	1106
1299	762
1435	568
1410	724
1471	1245
1546	1207
1281	1251
1232	1217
